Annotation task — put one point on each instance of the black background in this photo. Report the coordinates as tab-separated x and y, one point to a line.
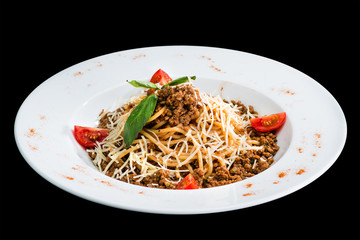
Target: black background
320	39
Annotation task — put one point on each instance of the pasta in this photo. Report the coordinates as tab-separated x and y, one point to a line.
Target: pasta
189	132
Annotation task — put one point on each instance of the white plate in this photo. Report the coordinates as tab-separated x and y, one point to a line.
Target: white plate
310	141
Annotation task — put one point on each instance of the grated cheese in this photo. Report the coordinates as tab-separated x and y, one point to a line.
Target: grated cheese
216	135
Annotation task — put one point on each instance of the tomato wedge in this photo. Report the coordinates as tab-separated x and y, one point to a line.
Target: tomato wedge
160	77
87	136
269	122
188	182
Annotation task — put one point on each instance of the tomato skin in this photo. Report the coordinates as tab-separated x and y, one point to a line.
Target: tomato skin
87	136
188	182
269	122
160	77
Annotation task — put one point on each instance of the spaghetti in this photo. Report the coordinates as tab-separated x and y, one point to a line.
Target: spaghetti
189	132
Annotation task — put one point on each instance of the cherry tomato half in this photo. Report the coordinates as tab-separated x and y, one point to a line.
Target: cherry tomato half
87	136
160	77
269	122
188	182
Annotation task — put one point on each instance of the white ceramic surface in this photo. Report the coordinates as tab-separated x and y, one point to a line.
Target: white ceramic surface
310	141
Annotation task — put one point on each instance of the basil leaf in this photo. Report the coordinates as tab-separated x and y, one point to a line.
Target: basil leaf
179	81
145	84
138	118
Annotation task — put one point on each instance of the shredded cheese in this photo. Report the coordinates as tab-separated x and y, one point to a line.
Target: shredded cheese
218	135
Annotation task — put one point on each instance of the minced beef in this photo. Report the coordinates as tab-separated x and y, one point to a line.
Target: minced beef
221	176
246	165
182	105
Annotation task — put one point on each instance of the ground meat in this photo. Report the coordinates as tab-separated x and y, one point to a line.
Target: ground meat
199	176
104	120
182	104
243	109
244	166
221	176
248	164
160	179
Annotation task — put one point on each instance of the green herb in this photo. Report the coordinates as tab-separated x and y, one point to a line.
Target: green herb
138	118
145	84
179	81
142	112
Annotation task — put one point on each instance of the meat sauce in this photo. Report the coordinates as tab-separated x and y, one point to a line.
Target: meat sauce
183	106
